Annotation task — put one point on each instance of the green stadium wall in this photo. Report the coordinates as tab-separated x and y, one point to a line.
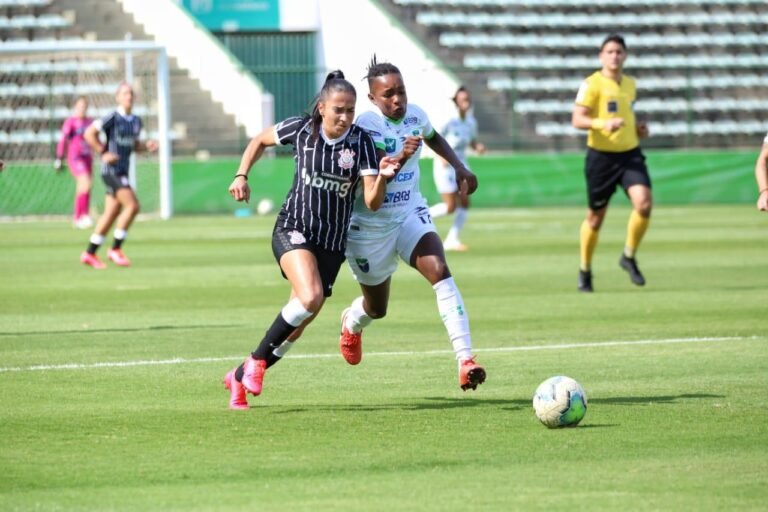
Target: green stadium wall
505	181
519	180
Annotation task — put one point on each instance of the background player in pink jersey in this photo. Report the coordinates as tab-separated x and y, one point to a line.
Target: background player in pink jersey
79	160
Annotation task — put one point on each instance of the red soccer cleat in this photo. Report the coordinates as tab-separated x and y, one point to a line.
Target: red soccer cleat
92	261
117	256
350	343
253	376
471	374
237	397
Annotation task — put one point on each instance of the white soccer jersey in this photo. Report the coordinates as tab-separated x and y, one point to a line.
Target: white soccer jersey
765	140
403	193
459	133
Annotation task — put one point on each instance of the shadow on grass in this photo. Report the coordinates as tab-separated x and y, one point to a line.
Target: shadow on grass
427	404
646	400
123	329
445	403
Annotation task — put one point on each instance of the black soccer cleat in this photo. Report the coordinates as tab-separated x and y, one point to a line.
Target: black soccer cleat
585	281
630	265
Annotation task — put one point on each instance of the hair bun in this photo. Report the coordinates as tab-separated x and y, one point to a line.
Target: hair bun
335	75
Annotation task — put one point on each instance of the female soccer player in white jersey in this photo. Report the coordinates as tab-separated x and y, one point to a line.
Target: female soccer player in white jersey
461	133
333	156
123	134
403	227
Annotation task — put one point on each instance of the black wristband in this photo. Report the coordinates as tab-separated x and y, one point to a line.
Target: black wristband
242	176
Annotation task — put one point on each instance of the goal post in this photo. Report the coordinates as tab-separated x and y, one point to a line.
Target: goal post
39	81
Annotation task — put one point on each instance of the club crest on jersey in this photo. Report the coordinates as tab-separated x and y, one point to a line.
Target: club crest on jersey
391	145
297	238
363	264
346	158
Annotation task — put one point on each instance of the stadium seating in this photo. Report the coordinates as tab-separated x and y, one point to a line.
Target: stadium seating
700	64
36	93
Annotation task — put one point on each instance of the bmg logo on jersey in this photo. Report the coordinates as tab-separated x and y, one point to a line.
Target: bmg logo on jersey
329	182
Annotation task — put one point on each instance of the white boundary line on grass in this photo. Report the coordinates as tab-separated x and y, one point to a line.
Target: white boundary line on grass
180	360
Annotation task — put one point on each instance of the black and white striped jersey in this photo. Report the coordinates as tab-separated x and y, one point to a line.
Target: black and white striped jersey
122	131
326	180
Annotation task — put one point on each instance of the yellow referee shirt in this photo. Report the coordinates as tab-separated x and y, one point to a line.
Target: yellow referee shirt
607	99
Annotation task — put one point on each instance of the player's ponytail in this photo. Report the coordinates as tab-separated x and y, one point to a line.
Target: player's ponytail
334	82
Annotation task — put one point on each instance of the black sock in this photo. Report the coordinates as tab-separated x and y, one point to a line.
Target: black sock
239	373
117	243
274	337
272	359
92	248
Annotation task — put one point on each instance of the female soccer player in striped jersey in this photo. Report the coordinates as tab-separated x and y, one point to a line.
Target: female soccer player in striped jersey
123	134
336	164
79	160
461	134
403	227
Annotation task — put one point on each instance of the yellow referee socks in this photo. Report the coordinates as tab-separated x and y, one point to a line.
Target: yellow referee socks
588	238
636	228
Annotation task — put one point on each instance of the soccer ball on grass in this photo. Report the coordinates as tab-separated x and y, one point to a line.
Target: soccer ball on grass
560	402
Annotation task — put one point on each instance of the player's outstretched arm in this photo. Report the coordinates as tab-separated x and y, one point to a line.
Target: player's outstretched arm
146	145
761	176
466	180
239	188
375	187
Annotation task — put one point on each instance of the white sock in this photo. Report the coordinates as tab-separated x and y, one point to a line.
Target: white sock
459	218
294	312
97	239
357	319
283	348
120	234
438	210
450	305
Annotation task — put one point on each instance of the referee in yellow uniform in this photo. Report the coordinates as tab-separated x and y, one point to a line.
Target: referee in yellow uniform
604	106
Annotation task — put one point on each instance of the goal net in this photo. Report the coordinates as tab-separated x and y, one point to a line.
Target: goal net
39	84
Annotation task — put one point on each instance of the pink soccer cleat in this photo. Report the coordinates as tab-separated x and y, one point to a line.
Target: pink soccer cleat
92	261
253	376
117	256
350	343
237	397
471	374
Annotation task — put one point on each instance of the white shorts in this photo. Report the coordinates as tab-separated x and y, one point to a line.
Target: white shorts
373	260
445	177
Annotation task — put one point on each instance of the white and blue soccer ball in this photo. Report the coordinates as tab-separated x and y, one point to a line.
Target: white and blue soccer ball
560	402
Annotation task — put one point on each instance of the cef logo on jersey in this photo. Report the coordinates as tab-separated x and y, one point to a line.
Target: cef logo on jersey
346	158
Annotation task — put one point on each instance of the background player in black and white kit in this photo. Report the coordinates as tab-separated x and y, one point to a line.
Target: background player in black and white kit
334	160
123	136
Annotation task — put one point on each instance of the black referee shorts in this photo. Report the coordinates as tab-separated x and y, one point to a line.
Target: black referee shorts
114	182
605	171
328	262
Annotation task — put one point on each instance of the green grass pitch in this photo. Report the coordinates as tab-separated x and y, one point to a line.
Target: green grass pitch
110	393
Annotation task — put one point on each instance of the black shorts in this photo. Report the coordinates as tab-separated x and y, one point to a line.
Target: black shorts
114	182
328	262
605	171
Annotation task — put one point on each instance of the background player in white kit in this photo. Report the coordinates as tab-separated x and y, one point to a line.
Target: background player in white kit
402	227
461	133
